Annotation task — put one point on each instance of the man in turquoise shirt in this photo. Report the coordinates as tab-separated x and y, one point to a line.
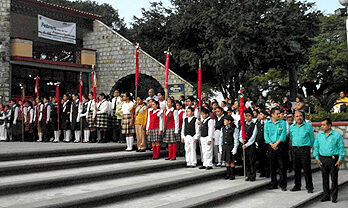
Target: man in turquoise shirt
302	139
275	135
329	152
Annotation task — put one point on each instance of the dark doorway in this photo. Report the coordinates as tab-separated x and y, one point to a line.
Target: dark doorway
126	84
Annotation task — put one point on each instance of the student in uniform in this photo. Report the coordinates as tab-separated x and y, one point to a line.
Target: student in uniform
91	115
45	117
16	124
140	123
66	125
219	123
228	144
329	152
171	129
181	111
116	122
3	130
189	136
127	120
55	119
38	110
190	103
249	145
261	146
206	137
102	117
75	117
154	128
84	114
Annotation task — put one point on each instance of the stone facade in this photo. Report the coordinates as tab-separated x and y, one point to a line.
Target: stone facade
5	7
116	59
343	130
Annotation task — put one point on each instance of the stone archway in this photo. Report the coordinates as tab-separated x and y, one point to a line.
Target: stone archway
126	84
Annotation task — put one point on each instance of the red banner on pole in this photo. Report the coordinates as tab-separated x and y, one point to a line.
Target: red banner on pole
80	87
199	90
167	69
57	98
137	65
94	84
241	113
37	81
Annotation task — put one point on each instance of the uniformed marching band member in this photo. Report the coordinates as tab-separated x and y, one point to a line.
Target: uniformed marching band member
206	139
91	118
66	125
102	117
45	116
329	152
249	145
302	139
140	114
261	146
55	124
189	136
127	120
171	129
38	110
3	131
84	117
228	144
75	117
154	128
181	111
219	123
275	136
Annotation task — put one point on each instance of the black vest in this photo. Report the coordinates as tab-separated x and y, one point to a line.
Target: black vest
219	124
75	109
205	128
190	128
249	129
260	128
227	135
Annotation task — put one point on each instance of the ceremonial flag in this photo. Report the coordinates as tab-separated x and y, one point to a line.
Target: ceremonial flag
167	69
57	98
36	89
199	90
94	84
137	65
23	97
241	112
80	87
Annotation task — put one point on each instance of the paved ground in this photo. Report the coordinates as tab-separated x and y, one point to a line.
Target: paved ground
342	200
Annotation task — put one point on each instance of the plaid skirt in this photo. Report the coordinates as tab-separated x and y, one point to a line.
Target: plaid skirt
91	124
170	137
102	121
153	136
126	127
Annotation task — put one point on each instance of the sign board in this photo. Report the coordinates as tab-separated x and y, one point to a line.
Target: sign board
56	30
176	90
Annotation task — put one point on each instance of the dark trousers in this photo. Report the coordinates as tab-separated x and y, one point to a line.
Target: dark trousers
116	131
250	162
277	160
328	169
262	159
302	160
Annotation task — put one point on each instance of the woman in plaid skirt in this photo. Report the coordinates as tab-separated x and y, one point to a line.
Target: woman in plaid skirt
127	120
102	117
171	129
154	128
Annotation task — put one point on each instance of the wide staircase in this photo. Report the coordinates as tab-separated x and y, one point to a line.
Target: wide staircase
107	176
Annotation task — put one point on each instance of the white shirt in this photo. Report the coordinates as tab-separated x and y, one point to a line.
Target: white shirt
126	107
159	114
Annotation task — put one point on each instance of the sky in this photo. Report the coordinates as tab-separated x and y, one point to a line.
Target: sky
129	8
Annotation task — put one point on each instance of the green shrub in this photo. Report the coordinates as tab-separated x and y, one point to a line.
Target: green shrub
333	116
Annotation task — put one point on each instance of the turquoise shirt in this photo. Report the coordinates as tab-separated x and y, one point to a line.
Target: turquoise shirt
302	135
329	146
274	131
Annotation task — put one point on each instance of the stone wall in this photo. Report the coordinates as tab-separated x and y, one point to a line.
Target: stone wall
343	130
116	59
5	7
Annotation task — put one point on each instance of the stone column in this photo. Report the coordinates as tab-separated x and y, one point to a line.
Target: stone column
5	28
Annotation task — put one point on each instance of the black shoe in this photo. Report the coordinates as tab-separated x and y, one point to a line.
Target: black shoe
247	179
193	166
142	150
334	201
188	166
209	168
325	199
166	158
202	167
283	189
173	159
232	177
310	191
262	175
252	179
296	189
272	187
138	150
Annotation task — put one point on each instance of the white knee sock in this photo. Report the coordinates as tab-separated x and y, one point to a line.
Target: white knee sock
68	134
131	141
40	137
77	136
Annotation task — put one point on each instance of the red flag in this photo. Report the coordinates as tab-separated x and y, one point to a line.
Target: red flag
241	113
22	96
167	69
80	87
137	66
199	90
36	89
57	98
94	84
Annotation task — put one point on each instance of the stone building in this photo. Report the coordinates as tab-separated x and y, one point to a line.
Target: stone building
28	51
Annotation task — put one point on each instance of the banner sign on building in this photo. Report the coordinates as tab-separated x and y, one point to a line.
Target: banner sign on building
56	30
176	90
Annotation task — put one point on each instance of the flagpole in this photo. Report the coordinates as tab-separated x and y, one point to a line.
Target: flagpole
58	106
199	90
136	70
23	96
80	104
168	54
241	111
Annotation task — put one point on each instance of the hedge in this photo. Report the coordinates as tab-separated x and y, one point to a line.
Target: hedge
333	116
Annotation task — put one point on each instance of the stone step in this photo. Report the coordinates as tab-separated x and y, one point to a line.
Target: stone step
64	162
58	178
93	193
29	150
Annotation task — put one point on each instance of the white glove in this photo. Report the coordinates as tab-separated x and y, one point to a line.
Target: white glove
234	151
220	149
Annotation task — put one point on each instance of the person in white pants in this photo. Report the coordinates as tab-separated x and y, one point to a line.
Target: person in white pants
3	131
189	136
206	137
219	123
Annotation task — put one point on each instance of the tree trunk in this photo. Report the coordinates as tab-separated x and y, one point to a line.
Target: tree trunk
293	82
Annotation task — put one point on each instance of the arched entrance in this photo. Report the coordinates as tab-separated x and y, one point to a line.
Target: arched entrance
126	84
